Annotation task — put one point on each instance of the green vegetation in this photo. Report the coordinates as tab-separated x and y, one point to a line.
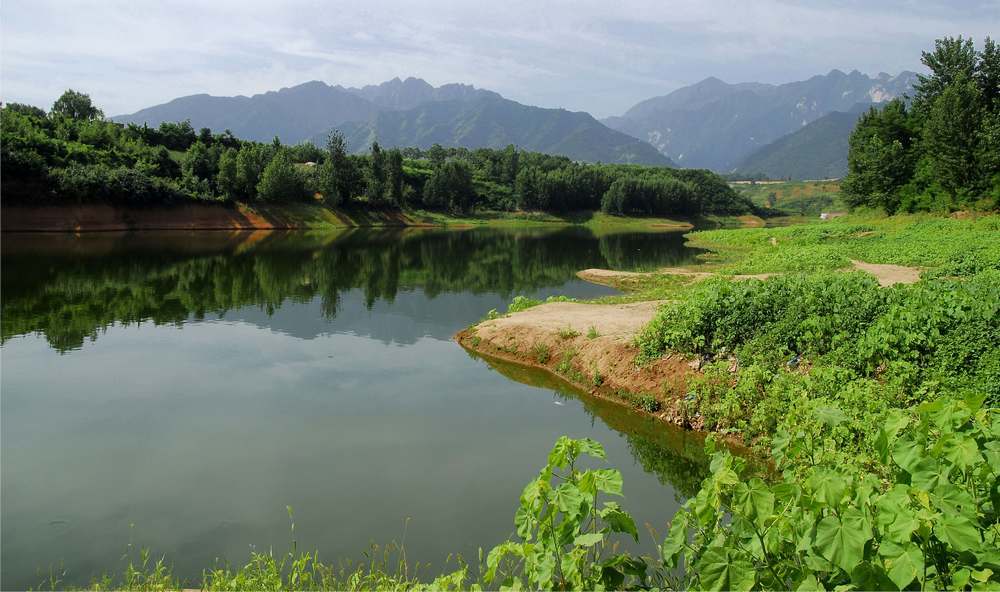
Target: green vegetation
795	198
949	245
942	151
72	154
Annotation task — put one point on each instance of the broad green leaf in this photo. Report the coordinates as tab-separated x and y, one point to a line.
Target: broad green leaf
928	473
561	453
842	540
591	447
904	563
588	540
809	584
960	578
753	500
828	486
895	516
724	569
676	538
831	416
963	452
608	481
497	554
952	499
869	576
544	566
568	498
523	520
907	454
958	531
619	521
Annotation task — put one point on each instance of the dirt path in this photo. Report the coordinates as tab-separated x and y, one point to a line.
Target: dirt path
558	337
889	275
609	277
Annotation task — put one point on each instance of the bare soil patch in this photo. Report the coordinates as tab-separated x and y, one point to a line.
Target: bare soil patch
557	337
889	275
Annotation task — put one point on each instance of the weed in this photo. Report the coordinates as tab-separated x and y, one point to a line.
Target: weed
568	333
541	353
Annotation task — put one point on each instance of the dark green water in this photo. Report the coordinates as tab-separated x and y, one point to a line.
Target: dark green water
178	391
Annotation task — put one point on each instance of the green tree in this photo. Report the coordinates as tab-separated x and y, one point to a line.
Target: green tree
325	180
341	172
76	105
375	186
227	180
199	162
952	60
250	163
988	74
279	181
950	134
881	157
437	155
394	163
450	187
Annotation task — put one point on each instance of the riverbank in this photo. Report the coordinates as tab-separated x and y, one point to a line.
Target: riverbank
101	217
591	347
651	349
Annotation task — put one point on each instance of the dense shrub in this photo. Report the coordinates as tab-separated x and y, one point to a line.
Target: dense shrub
100	182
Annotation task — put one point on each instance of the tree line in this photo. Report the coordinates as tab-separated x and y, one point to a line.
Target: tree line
72	153
940	148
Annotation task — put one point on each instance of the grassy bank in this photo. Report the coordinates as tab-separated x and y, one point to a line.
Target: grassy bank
795	198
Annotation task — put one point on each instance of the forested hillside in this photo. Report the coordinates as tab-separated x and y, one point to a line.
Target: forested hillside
73	154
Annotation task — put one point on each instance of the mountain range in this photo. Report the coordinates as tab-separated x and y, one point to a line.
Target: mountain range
716	125
786	130
407	112
495	122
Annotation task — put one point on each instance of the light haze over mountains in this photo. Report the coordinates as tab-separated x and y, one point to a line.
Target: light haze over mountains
712	124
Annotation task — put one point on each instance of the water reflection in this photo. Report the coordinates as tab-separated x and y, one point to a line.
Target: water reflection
71	288
193	385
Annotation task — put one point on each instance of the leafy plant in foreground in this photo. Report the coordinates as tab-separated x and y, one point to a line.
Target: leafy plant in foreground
935	525
564	531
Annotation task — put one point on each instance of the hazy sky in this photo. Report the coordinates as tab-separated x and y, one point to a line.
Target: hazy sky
599	56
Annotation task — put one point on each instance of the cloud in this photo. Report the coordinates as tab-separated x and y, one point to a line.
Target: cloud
595	56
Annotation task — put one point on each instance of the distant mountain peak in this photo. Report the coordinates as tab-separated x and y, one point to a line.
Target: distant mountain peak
715	125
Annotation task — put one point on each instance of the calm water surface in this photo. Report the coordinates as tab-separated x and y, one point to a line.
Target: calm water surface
178	391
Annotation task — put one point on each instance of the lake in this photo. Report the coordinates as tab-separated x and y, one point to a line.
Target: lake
178	391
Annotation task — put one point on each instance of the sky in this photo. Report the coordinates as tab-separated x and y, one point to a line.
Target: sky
601	57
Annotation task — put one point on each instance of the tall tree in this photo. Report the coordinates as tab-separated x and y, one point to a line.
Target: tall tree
227	181
76	105
950	135
341	170
375	188
279	181
436	154
394	164
952	59
250	163
881	157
